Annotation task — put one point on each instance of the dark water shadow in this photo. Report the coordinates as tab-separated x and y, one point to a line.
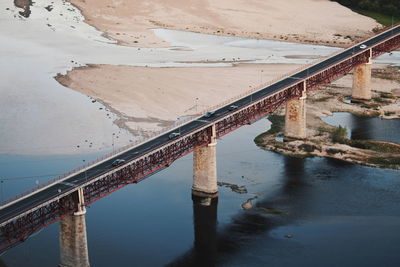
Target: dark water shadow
212	247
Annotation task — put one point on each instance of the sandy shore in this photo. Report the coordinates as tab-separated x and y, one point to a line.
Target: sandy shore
311	21
150	98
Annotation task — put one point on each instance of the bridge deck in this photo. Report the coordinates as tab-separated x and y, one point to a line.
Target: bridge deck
10	212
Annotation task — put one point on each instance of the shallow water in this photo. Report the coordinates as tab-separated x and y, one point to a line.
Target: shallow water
328	206
338	213
366	128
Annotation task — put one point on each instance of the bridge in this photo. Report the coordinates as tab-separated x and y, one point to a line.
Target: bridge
66	198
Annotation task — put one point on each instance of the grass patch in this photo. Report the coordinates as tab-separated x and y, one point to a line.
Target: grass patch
387	161
370	114
379	17
387	95
277	126
322	130
321	99
377	146
307	148
381	101
389	113
278	123
339	135
332	151
370	105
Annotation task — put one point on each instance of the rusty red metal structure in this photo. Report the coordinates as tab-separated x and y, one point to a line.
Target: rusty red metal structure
23	225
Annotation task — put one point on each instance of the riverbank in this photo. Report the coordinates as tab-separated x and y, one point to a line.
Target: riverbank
145	104
130	21
324	140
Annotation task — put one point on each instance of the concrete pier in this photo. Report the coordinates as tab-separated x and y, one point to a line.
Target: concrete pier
73	238
205	170
362	82
295	118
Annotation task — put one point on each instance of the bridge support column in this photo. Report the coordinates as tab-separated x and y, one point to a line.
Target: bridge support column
295	118
362	82
73	238
205	170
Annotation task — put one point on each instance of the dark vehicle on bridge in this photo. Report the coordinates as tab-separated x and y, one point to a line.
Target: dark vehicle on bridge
232	107
118	162
173	135
209	114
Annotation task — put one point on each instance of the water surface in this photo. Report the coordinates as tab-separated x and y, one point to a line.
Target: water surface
366	128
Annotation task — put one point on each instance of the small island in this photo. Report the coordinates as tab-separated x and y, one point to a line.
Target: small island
324	140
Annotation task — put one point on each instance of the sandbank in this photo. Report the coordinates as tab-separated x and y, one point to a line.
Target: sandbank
310	21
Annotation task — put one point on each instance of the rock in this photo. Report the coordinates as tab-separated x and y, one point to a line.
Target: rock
247	205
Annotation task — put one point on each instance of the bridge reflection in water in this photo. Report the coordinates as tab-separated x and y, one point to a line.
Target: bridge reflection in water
213	247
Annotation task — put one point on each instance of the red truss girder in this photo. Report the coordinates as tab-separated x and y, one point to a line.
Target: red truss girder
146	165
387	46
22	227
336	71
257	109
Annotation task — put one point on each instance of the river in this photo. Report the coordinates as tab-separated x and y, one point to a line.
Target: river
337	214
331	213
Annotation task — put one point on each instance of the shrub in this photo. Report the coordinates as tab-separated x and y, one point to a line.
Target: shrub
339	135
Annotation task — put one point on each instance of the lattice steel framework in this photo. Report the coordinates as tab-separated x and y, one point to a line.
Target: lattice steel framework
23	225
385	47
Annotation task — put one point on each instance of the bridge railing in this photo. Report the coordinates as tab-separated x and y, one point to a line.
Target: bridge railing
115	152
183	121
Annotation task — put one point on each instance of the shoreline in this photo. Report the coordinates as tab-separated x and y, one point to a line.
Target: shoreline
320	141
228	18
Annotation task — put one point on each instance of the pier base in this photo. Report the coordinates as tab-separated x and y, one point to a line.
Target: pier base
295	119
362	82
73	240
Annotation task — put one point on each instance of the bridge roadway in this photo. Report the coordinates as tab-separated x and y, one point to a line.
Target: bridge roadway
17	207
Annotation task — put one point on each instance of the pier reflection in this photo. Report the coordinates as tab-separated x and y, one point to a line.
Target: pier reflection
205	230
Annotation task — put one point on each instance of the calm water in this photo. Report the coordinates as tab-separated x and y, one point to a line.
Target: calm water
338	214
366	128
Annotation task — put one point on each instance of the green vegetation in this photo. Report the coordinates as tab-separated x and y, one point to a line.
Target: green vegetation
383	19
339	135
389	113
307	148
278	123
387	161
381	100
370	105
332	151
321	130
377	146
321	99
381	10
387	95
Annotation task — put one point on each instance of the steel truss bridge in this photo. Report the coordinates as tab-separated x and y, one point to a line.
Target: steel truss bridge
29	213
